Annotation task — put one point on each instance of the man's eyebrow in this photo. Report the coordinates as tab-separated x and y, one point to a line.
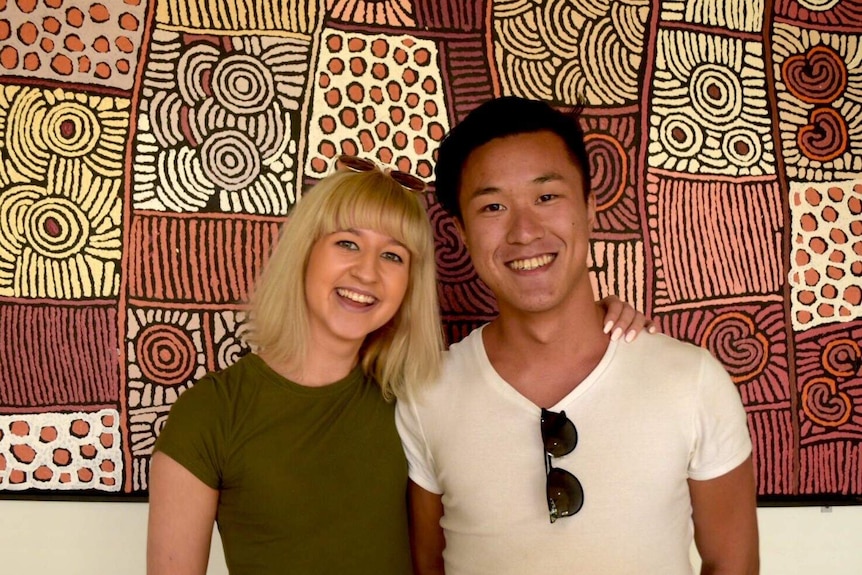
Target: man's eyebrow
542	179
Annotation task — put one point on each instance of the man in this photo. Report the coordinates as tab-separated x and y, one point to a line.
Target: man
645	444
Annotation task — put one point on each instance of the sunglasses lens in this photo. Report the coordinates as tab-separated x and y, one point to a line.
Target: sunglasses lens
408	181
565	494
558	433
355	164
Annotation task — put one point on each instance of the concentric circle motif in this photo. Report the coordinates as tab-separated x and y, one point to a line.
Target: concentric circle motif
608	170
735	341
842	357
230	160
742	147
71	129
824	404
243	85
56	228
715	94
165	354
681	135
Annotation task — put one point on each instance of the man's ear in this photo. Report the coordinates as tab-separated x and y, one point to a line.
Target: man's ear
459	227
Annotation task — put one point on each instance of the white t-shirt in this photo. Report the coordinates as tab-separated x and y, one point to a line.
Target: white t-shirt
652	414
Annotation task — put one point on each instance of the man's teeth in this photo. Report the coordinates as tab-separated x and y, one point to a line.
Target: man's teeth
531	263
355	296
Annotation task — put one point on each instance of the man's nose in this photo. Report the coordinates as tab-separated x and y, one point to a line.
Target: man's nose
524	226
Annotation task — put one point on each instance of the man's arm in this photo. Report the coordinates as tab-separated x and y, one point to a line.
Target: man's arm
426	535
725	522
182	512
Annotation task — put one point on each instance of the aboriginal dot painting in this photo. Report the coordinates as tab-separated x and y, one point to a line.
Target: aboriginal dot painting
150	150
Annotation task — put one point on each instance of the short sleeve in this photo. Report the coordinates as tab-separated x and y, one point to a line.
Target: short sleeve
419	461
194	435
721	426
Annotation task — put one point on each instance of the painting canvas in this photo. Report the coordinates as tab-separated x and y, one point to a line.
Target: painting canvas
150	150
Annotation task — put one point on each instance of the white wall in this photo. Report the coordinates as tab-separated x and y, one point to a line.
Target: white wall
52	537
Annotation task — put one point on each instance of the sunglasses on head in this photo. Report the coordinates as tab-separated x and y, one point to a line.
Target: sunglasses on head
356	164
564	491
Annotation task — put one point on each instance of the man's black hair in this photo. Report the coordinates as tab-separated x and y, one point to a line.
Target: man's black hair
499	118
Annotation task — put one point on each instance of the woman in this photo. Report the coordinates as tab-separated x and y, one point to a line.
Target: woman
293	450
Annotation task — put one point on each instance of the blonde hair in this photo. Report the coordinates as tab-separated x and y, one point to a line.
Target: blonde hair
407	350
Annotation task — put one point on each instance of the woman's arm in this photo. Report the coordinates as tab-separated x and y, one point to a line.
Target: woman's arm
182	513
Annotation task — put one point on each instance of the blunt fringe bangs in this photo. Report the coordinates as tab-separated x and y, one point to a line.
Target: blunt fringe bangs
406	351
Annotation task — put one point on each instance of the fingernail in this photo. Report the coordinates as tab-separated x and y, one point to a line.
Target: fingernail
630	336
652	329
608	327
617	333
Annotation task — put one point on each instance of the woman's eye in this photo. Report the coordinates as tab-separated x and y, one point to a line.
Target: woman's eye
392	256
347	244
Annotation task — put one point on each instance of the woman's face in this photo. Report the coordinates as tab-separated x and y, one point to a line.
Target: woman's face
355	283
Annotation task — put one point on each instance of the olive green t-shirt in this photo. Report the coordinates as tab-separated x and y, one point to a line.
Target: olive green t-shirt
311	479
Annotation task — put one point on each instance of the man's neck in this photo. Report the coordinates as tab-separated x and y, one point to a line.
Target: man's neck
545	356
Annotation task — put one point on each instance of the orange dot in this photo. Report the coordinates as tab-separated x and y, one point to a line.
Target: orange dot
436	131
812	277
336	66
99	13
20	428
416	122
106	439
825	310
818	246
65	478
28	33
834	272
404	164
853	295
408	42
400	55
79	428
409	76
107	481
333	42
53	3
382	130
349	147
356	44
32	62
422	56
802	258
857	248
324	80
43	473
420	146
102	71
835	194
62	457
73	43
333	97
26	6
101	45
2	462
385	155
855	205
88	451
123	66
51	25
85	475
5	29
368	114
74	17
806	297
829	214
379	71
856	227
394	91
129	22
366	140
837	256
62	64
380	48
429	85
803	316
430	108
9	58
327	124
84	64
318	165
47	45
23	453
838	236
400	140
376	94
16	476
349	118
856	269
357	66
124	44
355	92
808	222
327	149
107	420
829	291
423	169
813	197
107	466
48	434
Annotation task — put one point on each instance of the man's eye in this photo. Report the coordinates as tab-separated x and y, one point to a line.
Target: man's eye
547	197
493	208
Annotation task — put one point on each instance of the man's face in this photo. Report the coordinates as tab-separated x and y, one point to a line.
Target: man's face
526	222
